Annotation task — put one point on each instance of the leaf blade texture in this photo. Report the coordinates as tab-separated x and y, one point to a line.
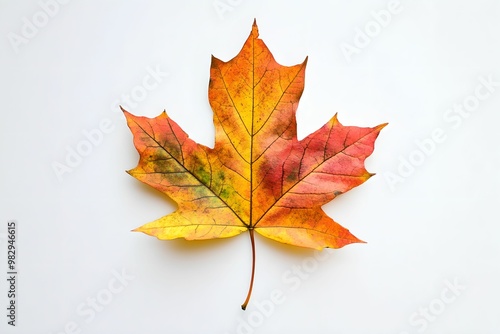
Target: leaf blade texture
258	176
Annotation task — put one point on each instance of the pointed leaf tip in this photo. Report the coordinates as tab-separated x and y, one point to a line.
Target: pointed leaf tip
381	126
255	29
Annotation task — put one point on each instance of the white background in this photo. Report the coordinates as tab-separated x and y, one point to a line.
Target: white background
438	223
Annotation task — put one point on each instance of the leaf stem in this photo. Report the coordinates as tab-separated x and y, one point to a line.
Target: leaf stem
244	305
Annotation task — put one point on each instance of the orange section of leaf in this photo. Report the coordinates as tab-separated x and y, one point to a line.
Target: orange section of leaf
186	171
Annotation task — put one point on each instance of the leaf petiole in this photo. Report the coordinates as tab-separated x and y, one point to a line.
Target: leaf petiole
244	305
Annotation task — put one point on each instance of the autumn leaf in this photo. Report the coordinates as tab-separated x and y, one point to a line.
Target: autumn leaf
258	177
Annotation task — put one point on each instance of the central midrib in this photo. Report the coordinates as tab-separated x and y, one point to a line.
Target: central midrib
250	225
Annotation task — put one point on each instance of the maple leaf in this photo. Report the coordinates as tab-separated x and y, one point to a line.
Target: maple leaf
258	177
